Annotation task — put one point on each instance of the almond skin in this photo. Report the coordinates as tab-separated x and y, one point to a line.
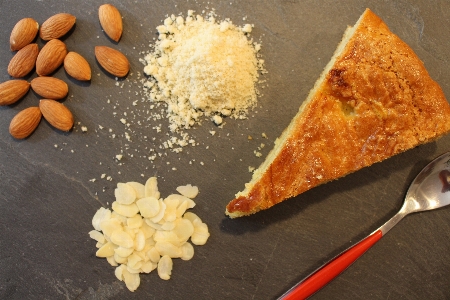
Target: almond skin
56	26
77	66
50	87
23	33
23	61
113	61
51	57
25	122
56	114
111	21
12	90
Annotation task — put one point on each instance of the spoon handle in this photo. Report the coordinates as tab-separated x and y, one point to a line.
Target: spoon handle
328	272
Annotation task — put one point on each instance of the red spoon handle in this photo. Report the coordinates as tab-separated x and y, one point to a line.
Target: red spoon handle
332	269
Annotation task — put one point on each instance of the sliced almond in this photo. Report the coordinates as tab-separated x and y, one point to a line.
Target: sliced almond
167	236
188	191
153	255
136	269
139	241
139	188
147	230
124	193
132	280
58	115
165	266
120	259
23	33
56	26
122	239
169	249
183	229
168	225
109	226
119	272
121	218
131	232
181	209
113	61
193	218
111	21
187	251
102	214
12	90
123	252
23	61
172	202
112	261
148	266
25	122
148	207
135	222
51	57
152	224
200	235
106	250
125	210
77	66
50	87
151	188
160	214
98	236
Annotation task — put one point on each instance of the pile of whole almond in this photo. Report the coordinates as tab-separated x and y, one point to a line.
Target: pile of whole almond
47	60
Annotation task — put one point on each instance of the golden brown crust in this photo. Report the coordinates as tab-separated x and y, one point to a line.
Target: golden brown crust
376	101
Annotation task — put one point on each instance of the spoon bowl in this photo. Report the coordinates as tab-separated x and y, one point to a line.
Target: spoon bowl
429	190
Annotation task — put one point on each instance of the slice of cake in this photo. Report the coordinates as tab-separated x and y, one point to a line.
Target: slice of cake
373	100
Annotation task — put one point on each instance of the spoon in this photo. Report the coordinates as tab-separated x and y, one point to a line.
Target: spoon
427	191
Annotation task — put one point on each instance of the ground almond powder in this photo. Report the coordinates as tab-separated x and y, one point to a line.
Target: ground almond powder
202	67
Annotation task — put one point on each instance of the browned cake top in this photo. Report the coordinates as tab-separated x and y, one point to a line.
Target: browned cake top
376	101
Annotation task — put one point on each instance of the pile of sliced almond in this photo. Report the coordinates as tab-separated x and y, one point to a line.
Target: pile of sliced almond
145	232
47	60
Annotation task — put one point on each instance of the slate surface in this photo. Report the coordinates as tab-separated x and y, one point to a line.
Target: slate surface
47	199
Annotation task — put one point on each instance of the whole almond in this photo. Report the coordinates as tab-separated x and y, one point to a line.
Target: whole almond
77	67
111	21
56	114
23	33
13	90
56	26
25	122
23	61
112	61
50	87
51	57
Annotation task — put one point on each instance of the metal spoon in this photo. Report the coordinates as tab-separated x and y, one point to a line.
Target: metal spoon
427	191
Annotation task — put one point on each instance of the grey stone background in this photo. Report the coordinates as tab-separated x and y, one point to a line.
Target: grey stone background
47	199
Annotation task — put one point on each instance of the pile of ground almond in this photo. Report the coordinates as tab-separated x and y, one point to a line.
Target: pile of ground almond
199	67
